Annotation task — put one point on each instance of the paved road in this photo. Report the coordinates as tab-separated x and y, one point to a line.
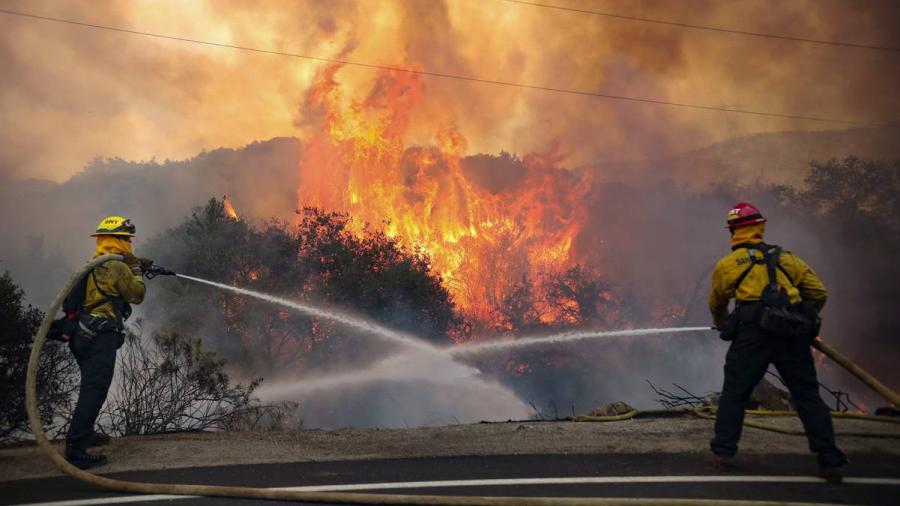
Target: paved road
874	479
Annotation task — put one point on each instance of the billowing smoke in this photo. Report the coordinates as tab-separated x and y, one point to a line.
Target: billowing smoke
97	93
408	388
49	236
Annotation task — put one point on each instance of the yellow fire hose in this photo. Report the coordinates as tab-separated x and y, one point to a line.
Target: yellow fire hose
854	369
134	487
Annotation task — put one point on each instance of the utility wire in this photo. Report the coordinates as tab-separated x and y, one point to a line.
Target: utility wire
457	77
707	28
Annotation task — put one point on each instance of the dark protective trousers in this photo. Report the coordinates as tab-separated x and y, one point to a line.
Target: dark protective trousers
97	362
747	360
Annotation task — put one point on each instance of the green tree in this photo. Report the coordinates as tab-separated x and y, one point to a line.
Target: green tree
320	260
853	191
852	206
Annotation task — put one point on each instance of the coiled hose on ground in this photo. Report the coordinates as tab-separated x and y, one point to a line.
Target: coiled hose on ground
134	487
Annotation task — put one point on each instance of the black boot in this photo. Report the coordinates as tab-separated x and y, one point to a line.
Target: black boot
724	463
833	474
98	439
84	460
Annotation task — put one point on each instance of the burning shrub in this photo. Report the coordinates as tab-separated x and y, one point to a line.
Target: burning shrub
484	221
577	297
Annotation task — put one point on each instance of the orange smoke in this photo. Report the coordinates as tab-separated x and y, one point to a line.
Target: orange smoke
480	241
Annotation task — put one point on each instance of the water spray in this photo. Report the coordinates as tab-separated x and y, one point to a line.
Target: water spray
498	344
448	354
347	320
410	341
392	364
282	494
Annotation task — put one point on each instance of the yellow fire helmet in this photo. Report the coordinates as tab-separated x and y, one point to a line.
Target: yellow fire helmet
115	225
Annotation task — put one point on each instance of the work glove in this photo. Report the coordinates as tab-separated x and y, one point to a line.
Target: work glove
729	330
133	262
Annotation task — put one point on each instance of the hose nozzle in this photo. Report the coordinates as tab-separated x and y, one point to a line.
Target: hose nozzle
155	270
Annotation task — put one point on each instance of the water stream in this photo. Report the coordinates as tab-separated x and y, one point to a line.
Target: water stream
500	343
345	319
419	361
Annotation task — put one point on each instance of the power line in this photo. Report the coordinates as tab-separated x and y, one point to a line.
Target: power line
707	28
473	79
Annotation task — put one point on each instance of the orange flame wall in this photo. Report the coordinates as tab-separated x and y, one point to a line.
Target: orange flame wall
480	241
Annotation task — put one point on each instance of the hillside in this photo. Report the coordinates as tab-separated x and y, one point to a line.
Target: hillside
780	158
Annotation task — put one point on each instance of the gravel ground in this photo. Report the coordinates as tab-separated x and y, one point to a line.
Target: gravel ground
643	435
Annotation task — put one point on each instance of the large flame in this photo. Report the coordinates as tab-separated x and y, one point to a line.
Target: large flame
229	208
480	241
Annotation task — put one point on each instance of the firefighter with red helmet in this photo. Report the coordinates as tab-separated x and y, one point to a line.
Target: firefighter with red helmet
777	300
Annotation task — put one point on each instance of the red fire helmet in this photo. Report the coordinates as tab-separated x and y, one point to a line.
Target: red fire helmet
743	214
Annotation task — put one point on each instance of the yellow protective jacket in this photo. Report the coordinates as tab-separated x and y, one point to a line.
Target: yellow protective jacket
113	279
794	275
116	280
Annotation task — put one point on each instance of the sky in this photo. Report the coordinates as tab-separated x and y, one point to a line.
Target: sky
70	94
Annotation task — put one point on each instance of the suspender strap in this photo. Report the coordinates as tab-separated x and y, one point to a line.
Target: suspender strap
783	271
106	298
744	274
753	262
772	258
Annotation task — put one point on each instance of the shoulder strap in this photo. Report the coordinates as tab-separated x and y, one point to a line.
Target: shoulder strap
772	257
788	276
106	298
753	262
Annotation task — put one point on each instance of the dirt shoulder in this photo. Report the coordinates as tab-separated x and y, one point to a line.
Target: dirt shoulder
652	435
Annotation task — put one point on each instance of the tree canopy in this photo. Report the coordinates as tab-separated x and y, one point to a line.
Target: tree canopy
319	259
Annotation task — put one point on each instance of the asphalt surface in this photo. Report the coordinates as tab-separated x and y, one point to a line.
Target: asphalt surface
517	467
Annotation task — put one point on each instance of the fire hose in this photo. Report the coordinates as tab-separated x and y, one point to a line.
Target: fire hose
879	387
134	487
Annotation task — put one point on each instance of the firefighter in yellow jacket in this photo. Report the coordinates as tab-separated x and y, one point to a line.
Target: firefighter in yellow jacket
743	275
111	289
